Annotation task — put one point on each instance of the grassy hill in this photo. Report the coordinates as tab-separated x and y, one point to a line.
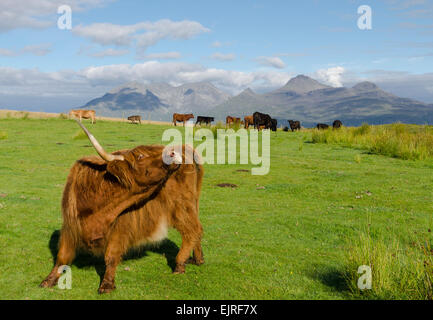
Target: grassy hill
297	233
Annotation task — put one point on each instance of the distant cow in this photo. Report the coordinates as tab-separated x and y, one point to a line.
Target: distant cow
230	120
273	125
83	114
206	120
295	125
135	119
248	121
337	124
286	129
322	126
262	119
177	117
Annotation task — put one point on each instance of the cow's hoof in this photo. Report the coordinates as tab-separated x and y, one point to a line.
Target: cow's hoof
180	268
106	287
48	283
197	262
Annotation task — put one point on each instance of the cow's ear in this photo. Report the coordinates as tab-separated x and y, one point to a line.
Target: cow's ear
123	171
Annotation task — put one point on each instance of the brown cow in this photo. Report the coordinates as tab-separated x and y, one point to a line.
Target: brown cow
135	119
128	198
249	121
83	114
177	117
230	120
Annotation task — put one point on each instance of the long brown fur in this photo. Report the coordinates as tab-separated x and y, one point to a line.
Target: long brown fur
109	208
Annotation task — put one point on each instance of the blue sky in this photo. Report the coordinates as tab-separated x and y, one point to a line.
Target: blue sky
233	44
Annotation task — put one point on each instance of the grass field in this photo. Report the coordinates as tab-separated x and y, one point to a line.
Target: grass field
299	237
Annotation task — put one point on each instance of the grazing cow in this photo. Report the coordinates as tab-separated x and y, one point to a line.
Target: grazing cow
83	114
273	125
206	120
230	120
337	124
248	121
295	125
177	117
322	126
128	198
135	119
261	119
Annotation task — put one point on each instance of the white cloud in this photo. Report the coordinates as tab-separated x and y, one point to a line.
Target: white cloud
162	56
216	44
223	57
331	76
274	62
7	53
145	34
110	53
93	81
16	14
35	49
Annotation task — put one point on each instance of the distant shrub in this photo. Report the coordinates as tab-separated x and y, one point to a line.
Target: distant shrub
362	130
63	116
79	135
25	115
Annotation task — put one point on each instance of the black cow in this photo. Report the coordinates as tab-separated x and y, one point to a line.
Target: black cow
273	125
337	124
265	120
295	125
206	120
322	126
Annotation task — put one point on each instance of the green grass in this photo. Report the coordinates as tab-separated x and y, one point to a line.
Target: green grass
299	237
407	142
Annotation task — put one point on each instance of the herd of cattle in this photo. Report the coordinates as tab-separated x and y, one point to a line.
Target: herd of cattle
257	120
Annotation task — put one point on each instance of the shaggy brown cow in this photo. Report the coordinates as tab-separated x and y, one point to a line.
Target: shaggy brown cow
230	120
249	121
177	117
83	114
135	119
128	198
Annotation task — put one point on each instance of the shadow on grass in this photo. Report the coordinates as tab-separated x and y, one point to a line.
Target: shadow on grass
333	278
167	249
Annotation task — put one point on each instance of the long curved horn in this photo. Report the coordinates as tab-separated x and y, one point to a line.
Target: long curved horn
104	155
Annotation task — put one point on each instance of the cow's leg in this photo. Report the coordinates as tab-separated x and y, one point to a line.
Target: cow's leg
191	233
113	256
65	256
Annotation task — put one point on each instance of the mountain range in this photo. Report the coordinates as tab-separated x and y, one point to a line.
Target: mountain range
302	98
